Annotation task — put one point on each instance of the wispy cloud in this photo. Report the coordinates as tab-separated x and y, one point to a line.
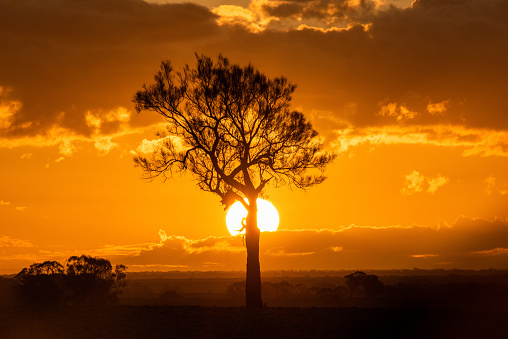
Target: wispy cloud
6	241
473	141
114	124
8	108
322	15
424	256
416	182
493	186
8	203
438	108
400	112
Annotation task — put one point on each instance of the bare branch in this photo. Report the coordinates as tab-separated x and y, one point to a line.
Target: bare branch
237	129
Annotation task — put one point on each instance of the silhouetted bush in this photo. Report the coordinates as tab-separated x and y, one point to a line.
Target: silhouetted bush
87	280
93	281
42	283
362	284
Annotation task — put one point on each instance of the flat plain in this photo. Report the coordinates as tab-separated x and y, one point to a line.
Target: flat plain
239	322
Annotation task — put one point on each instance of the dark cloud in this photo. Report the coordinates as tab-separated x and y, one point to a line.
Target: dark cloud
62	58
468	243
332	11
411	57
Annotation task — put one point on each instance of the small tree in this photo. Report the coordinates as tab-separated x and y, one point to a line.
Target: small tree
93	280
369	284
232	128
42	283
86	280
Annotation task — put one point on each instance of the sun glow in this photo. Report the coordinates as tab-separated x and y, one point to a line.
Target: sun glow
268	217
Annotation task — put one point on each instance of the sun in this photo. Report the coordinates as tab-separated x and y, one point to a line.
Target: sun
268	217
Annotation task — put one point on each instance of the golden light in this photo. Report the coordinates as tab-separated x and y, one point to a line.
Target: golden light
268	217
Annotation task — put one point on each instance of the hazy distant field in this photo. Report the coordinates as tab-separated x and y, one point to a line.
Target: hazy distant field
412	304
465	290
218	322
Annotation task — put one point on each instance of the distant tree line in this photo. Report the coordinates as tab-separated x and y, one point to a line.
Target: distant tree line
358	284
84	280
366	290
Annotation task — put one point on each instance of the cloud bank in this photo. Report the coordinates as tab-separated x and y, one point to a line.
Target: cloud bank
71	68
466	244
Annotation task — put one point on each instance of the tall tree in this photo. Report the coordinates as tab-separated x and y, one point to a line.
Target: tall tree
232	128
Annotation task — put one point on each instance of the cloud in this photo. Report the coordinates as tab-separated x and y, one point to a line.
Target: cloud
149	146
424	256
105	125
85	60
494	187
238	15
358	54
6	241
8	203
400	112
473	141
416	182
109	121
104	145
494	251
435	183
28	155
8	108
468	243
164	141
321	15
438	108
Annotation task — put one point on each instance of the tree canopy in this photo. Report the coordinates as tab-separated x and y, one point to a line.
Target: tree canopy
232	127
87	280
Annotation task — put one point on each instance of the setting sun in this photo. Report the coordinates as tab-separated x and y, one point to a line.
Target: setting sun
268	217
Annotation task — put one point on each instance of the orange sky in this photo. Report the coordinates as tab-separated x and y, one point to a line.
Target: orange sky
412	97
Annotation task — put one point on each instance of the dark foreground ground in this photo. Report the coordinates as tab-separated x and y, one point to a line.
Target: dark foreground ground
238	322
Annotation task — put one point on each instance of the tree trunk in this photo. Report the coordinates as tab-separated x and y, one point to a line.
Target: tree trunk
253	280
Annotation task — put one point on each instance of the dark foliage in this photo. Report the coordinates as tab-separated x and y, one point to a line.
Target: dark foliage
42	283
232	128
87	280
362	284
93	281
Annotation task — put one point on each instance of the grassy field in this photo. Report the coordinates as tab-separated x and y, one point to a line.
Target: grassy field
238	322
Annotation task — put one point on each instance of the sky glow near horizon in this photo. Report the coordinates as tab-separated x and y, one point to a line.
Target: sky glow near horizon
411	95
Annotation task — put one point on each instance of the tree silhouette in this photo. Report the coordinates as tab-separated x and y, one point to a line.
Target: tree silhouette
369	284
232	128
93	280
87	280
42	283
